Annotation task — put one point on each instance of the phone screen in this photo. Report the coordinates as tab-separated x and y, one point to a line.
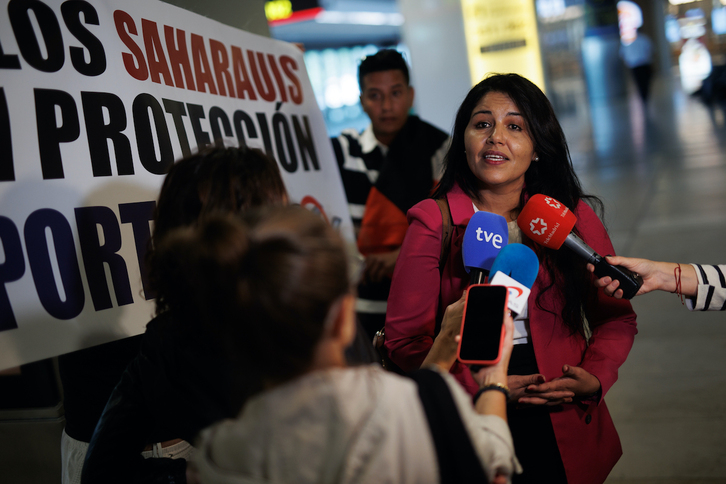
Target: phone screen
481	330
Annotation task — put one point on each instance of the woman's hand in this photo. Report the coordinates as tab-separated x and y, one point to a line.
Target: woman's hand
443	351
574	382
652	278
518	384
656	276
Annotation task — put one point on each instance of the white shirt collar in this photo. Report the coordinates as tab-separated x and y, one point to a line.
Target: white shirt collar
368	141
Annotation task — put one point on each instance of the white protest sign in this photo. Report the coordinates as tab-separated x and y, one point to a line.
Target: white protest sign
97	98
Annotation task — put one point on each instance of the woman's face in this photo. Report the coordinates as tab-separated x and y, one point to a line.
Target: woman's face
498	147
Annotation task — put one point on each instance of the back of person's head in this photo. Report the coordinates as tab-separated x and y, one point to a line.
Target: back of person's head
264	282
214	180
383	60
217	179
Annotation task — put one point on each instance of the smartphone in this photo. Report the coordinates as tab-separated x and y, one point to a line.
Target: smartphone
482	327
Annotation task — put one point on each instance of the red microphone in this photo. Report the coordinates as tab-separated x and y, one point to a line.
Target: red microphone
549	223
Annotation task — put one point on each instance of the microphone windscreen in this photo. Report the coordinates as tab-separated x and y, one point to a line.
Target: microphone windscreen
518	262
546	221
485	236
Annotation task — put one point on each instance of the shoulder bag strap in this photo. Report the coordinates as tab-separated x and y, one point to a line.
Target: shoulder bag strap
443	204
446	233
458	461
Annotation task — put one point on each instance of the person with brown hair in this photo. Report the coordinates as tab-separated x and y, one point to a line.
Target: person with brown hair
275	286
178	383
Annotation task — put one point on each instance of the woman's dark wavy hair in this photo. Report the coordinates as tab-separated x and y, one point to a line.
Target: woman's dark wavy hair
552	175
264	280
215	180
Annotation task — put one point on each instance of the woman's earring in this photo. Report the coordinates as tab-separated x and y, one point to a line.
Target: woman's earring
536	158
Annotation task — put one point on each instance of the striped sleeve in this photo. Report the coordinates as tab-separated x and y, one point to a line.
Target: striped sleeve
711	294
358	171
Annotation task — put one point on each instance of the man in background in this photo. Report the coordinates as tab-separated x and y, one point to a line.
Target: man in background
388	168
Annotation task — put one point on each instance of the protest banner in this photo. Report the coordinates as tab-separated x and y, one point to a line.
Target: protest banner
97	99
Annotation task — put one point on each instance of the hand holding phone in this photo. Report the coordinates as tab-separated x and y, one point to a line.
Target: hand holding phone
482	329
446	344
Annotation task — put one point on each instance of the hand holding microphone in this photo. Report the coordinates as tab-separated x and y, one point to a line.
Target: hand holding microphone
657	276
549	223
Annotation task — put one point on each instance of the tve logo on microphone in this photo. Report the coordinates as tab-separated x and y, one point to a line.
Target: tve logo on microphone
485	235
492	237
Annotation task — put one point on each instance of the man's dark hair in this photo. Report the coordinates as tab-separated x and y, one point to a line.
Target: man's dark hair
383	60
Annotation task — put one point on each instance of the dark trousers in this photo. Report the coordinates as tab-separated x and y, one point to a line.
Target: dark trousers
642	75
531	427
535	446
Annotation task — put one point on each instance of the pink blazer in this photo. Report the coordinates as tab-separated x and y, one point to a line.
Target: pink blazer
586	436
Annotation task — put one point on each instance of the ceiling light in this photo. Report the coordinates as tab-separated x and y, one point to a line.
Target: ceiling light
359	18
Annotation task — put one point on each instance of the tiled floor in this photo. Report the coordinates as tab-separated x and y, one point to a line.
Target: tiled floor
661	172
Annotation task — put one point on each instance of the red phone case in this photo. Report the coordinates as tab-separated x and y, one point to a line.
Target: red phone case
501	337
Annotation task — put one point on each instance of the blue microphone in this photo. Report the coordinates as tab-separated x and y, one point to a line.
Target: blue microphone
485	236
516	267
518	262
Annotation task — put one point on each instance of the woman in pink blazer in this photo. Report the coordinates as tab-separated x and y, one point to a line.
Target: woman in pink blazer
508	145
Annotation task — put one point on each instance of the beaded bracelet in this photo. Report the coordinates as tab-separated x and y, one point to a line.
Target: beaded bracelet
500	387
